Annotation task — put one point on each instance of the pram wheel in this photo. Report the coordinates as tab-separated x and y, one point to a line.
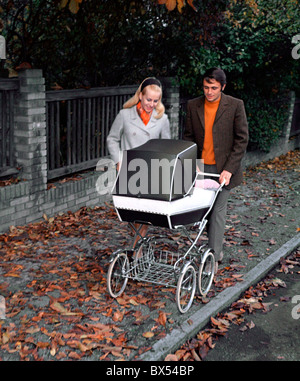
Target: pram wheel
117	275
186	286
206	272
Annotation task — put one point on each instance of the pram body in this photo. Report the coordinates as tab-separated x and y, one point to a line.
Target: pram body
176	208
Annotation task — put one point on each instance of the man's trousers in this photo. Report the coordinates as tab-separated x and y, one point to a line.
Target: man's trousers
217	217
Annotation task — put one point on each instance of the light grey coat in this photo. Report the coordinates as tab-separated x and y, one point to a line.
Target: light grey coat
128	131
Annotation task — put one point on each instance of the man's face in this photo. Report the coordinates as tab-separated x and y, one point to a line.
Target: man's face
212	90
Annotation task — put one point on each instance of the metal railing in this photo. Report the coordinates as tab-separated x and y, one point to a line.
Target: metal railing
8	89
78	122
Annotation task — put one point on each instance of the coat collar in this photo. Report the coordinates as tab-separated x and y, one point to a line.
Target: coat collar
137	121
222	107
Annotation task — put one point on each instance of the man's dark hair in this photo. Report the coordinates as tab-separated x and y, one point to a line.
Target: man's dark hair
215	73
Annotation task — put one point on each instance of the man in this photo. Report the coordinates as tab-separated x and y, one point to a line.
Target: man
217	123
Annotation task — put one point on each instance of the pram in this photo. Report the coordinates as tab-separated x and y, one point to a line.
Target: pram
150	261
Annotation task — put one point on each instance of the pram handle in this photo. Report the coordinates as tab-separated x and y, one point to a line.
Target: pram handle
204	174
207	174
211	175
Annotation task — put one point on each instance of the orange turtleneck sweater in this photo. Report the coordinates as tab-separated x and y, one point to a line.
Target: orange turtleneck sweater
210	110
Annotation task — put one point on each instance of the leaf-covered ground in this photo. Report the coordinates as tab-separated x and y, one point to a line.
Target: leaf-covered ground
53	274
241	316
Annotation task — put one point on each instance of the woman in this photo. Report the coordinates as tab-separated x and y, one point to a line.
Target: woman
141	119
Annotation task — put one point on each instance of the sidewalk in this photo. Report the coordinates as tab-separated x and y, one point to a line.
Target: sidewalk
53	276
269	330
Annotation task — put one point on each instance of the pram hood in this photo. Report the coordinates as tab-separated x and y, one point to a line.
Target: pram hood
161	169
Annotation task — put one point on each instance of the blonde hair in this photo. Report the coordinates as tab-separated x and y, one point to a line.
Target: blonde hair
160	108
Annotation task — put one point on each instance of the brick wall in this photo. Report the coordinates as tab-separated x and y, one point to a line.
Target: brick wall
20	206
171	99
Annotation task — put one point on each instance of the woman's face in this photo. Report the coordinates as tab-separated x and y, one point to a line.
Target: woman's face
149	99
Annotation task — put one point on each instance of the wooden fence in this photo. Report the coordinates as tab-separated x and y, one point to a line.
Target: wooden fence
8	90
78	122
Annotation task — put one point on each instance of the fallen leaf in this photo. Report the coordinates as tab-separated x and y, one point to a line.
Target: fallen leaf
162	318
5	337
74	355
56	306
133	302
118	316
171	357
195	356
278	282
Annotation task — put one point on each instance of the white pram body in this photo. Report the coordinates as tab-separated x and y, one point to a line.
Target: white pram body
171	214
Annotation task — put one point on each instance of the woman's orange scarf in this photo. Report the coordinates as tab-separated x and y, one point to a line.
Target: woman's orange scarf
143	114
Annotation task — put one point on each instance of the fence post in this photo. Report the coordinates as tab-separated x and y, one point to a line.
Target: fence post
171	100
3	72
30	130
288	126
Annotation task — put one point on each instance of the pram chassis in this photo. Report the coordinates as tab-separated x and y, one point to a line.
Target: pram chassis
148	262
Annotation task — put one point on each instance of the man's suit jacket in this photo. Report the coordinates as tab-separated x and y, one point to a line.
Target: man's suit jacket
128	131
230	133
